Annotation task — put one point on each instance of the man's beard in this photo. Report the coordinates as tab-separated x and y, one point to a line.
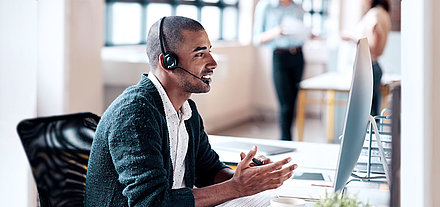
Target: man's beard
191	86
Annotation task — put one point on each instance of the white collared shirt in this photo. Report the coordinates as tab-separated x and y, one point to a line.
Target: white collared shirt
178	136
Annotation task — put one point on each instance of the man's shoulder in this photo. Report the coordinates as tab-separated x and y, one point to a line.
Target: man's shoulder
136	97
135	102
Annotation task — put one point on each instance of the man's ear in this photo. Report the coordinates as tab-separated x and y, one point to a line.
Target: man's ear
160	62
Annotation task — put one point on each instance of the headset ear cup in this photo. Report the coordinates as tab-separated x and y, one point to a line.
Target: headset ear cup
170	61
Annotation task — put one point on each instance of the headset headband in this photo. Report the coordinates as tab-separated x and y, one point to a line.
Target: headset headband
161	36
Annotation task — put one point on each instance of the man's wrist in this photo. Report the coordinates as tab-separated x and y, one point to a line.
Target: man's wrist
234	188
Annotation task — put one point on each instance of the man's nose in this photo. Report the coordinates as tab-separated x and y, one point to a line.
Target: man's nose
212	63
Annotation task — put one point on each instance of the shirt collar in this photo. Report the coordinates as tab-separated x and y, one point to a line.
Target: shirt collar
185	111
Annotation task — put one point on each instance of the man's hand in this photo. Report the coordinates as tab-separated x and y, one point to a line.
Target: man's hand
249	180
263	159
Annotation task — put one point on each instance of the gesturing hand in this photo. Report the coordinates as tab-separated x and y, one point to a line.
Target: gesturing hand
263	159
249	179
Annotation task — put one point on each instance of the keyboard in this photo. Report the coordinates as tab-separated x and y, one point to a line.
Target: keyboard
258	200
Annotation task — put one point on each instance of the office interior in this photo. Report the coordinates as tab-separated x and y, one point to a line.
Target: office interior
53	60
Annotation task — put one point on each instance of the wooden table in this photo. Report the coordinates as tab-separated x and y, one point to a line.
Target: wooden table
332	83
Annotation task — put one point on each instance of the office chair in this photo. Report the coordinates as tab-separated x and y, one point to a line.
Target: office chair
58	149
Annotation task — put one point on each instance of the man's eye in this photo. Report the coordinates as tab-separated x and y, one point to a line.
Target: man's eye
199	54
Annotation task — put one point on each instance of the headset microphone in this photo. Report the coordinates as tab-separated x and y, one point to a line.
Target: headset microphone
170	59
204	81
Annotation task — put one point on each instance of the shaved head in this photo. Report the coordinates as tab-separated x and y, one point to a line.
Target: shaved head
171	34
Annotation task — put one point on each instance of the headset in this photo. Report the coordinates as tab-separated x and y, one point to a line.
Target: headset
170	59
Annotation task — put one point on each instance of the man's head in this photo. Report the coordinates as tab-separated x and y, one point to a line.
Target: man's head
172	36
188	40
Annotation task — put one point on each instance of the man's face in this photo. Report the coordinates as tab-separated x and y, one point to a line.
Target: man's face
195	56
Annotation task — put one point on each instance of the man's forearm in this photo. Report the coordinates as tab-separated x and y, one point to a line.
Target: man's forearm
220	192
223	175
215	194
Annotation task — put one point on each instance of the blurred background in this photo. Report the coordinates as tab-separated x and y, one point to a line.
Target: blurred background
66	56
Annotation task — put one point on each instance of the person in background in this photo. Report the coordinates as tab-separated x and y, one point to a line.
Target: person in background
278	25
375	25
150	147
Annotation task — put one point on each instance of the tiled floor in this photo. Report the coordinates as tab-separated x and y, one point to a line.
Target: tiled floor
314	130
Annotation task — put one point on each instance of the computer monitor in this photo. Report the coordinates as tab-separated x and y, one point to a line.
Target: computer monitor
358	111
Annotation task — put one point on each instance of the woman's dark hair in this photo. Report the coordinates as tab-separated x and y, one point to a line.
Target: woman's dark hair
383	3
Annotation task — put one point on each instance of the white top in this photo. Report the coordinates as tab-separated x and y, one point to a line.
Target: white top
177	133
375	17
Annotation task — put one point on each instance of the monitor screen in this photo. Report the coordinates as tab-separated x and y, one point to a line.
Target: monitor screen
358	111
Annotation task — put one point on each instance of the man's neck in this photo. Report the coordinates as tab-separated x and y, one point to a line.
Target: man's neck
175	94
176	97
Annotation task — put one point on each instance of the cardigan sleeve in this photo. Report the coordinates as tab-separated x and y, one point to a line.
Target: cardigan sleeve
135	144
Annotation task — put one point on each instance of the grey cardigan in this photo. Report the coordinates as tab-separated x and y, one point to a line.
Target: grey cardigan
130	162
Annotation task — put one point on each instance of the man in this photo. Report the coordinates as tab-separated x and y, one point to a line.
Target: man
150	147
278	25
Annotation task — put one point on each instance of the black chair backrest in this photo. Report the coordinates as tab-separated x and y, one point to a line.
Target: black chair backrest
58	149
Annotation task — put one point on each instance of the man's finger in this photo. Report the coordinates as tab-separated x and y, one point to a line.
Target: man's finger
242	155
246	160
284	171
264	159
275	165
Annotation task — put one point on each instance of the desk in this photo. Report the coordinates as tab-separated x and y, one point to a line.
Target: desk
331	83
318	156
306	155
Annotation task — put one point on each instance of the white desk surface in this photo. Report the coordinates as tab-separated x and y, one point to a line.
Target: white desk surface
306	154
319	156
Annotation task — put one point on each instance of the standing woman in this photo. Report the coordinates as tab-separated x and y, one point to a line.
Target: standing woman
278	26
375	25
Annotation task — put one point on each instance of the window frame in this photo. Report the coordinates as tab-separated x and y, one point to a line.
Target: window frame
323	13
108	38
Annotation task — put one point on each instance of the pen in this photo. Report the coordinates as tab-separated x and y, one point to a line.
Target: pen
319	185
257	162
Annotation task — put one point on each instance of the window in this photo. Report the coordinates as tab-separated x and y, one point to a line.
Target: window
316	15
128	21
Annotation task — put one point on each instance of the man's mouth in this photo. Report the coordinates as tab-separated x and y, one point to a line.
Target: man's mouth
207	76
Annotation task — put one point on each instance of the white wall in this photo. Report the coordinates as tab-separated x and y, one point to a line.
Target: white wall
433	98
49	64
84	40
69	61
18	80
420	100
51	57
230	99
435	102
